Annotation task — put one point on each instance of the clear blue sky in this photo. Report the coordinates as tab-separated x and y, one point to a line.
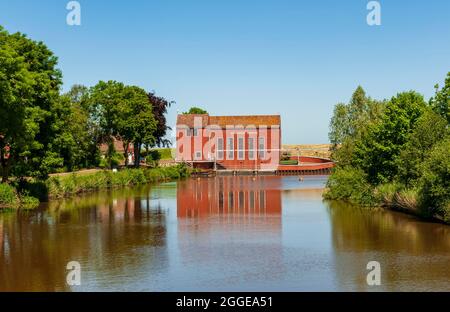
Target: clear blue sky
296	58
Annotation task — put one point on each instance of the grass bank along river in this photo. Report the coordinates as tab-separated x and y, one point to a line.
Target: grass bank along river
27	194
220	234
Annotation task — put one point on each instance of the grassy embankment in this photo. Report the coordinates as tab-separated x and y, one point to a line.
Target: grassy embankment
10	198
310	150
27	195
427	199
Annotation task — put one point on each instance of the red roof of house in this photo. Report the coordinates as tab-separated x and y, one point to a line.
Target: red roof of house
118	147
223	121
188	119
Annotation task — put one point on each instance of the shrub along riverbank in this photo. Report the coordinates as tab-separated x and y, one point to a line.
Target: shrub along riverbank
10	199
393	153
28	194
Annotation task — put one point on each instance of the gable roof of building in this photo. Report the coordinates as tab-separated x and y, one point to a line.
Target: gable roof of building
223	121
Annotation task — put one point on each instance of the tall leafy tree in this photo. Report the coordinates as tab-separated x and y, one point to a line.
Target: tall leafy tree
378	150
85	120
105	101
124	112
29	85
441	101
350	120
143	124
339	125
136	123
73	140
349	123
435	181
430	129
160	106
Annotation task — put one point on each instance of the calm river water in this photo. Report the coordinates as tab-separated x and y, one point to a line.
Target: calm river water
220	234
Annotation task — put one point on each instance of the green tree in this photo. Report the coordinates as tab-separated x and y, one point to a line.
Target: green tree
79	94
105	101
29	85
339	125
195	110
430	129
136	122
72	140
350	121
435	181
125	113
85	119
356	108
379	148
441	101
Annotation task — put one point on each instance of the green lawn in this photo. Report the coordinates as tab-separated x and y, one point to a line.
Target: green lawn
166	153
289	162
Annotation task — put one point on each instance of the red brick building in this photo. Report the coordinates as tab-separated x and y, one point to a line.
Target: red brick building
229	142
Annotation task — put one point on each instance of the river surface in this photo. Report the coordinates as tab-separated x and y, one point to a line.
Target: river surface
220	234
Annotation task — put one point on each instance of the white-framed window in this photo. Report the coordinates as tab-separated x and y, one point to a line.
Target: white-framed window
220	148
195	132
251	148
241	148
262	148
198	155
230	148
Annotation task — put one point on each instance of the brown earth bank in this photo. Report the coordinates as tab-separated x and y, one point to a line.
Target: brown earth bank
312	150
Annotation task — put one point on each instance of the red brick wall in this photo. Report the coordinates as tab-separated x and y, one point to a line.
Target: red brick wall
187	146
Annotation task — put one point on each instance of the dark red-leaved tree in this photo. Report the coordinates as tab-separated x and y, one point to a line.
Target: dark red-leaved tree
160	106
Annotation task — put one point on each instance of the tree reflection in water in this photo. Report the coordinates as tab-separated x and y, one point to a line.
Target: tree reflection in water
106	232
223	234
413	254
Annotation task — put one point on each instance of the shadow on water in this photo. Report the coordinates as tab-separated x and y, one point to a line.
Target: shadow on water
413	254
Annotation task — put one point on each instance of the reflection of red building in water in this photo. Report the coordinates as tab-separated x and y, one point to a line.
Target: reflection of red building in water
243	195
230	231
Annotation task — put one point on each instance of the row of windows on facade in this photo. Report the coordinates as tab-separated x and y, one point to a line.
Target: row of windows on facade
197	131
230	150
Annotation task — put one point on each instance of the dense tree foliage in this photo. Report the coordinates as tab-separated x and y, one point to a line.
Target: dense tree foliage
29	90
393	152
350	120
435	181
43	131
441	101
196	110
429	130
377	151
160	106
125	113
